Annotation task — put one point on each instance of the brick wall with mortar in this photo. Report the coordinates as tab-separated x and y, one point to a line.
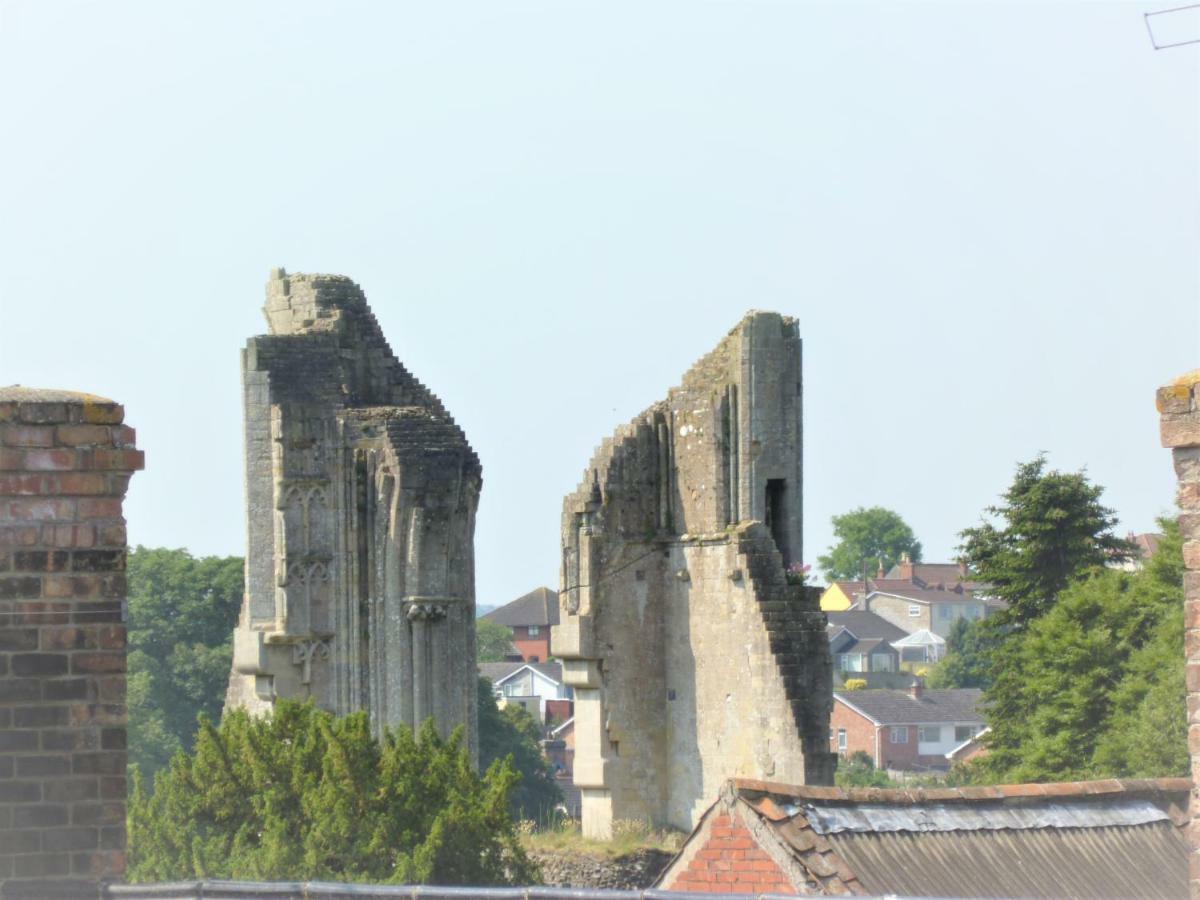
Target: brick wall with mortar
1179	407
728	860
65	464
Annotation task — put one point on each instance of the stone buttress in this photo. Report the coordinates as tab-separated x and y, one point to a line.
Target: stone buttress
361	497
692	657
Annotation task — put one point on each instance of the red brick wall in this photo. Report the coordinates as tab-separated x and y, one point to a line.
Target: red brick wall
860	735
860	732
530	647
731	862
558	711
65	462
1179	405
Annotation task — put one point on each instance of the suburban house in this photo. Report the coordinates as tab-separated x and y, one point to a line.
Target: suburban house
970	749
931	575
530	617
919	649
905	575
912	729
1079	839
841	595
536	686
861	642
559	749
933	609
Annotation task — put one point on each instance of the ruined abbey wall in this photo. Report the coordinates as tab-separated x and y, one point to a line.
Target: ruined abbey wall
361	500
691	656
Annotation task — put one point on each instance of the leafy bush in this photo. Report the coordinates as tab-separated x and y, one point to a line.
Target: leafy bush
858	770
181	616
513	733
854	684
302	795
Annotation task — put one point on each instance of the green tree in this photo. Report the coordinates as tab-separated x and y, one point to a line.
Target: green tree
182	611
858	770
301	795
1052	530
512	733
967	664
1094	687
492	641
876	535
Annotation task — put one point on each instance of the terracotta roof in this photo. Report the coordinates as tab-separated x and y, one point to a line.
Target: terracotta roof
538	607
901	708
851	588
930	574
1147	544
1080	839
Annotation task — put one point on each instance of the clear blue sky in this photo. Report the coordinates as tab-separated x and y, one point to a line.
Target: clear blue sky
983	215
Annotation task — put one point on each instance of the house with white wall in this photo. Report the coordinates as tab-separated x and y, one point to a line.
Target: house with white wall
912	729
536	686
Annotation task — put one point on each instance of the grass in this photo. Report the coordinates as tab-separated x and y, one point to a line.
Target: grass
629	835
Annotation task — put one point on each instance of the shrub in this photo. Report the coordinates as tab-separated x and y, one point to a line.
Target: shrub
301	795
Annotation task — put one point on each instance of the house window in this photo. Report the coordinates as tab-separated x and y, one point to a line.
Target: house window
850	662
945	612
912	654
534	630
963	733
882	662
841	740
914	611
510	690
898	734
929	734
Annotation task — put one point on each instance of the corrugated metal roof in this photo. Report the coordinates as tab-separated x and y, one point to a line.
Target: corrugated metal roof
885	817
1147	861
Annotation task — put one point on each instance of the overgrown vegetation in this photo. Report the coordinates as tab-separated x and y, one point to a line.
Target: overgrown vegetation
182	611
565	836
302	795
514	734
872	537
1083	674
1095	686
492	640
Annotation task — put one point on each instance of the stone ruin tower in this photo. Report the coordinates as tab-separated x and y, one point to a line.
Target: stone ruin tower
361	494
692	658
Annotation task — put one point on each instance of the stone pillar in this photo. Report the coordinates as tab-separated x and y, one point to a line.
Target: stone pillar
1179	406
65	462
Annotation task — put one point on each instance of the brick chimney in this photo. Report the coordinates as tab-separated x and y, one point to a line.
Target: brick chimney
916	690
906	567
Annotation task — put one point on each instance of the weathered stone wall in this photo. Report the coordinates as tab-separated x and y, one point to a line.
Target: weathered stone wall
65	463
361	498
1179	405
692	658
639	869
